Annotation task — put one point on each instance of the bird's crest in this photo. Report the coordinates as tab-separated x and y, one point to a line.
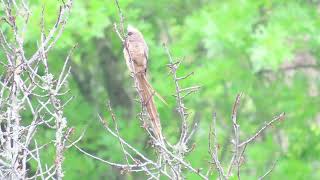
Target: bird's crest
132	30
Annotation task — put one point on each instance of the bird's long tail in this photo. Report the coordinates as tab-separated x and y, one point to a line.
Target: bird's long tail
146	94
154	92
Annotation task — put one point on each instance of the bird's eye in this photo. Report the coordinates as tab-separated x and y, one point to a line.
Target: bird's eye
130	33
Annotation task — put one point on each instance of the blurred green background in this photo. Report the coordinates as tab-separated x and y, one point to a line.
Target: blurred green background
268	49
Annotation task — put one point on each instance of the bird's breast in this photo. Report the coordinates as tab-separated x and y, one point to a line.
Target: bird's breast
137	52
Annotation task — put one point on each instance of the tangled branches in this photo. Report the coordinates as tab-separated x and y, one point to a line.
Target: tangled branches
171	159
28	85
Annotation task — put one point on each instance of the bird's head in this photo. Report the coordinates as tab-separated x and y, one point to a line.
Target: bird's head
132	30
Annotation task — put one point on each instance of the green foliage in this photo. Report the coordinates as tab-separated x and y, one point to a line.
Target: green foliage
229	45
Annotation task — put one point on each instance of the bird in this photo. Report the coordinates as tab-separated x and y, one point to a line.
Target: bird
136	53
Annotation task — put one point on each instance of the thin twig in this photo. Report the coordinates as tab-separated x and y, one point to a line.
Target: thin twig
117	131
269	171
252	138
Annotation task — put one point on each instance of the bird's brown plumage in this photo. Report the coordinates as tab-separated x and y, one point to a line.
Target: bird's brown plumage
136	54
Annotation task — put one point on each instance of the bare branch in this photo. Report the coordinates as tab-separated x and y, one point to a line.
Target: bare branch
269	171
251	139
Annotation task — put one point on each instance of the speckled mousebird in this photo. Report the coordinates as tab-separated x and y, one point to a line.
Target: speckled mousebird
136	53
